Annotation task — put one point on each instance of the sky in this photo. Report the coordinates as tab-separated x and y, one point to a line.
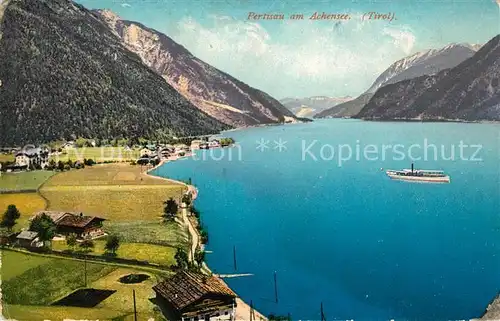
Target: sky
302	58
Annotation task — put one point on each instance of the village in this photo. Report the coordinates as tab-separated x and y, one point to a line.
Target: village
31	157
118	235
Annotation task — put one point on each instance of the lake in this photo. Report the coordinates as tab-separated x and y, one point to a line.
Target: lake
339	232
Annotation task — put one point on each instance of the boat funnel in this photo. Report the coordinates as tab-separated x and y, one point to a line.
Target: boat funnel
412	168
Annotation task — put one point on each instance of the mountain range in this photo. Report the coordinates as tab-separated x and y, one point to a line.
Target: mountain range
427	62
67	72
211	90
310	106
469	91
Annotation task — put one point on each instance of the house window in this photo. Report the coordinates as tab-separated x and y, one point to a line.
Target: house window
225	313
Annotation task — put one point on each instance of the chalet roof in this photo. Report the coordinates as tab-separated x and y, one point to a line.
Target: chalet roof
77	220
27	235
54	215
71	219
185	288
31	151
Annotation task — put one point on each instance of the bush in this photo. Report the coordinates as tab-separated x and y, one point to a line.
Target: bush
203	235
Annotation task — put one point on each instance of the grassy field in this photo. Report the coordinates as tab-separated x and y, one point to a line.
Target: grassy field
98	154
117	192
54	313
26	203
109	174
44	283
7	157
139	251
131	202
15	263
115	204
23	180
31	283
168	233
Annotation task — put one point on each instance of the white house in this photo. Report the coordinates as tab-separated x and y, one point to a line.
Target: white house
68	145
146	152
30	156
195	144
213	143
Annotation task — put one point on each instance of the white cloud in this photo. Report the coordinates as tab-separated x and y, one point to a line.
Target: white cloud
126	5
300	55
405	39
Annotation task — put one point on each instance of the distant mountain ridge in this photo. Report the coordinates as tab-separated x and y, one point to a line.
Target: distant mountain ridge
427	62
470	91
211	90
65	74
310	106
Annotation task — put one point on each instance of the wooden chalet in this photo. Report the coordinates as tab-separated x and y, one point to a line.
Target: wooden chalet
84	227
189	296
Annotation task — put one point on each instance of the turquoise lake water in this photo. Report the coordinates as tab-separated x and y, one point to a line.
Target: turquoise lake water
367	247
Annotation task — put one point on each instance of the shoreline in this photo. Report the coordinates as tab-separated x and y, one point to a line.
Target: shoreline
417	120
242	308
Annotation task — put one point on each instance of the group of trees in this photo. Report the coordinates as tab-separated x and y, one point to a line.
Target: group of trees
111	246
170	211
226	141
146	161
183	263
69	164
201	229
97	142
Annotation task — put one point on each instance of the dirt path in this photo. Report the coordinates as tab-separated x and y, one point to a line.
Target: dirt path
195	237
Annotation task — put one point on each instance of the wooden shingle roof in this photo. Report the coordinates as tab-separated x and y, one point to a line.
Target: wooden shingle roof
77	221
186	287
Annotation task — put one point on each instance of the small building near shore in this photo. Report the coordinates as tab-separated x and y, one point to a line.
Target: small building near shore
190	296
29	239
213	143
85	227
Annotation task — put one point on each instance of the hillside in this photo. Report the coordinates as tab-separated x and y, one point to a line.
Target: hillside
427	62
470	91
65	74
310	106
211	90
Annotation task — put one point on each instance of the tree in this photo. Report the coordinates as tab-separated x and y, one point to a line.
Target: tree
81	142
52	164
112	244
186	199
87	245
181	258
170	210
195	212
275	317
60	166
199	257
71	240
88	162
9	217
44	226
204	236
